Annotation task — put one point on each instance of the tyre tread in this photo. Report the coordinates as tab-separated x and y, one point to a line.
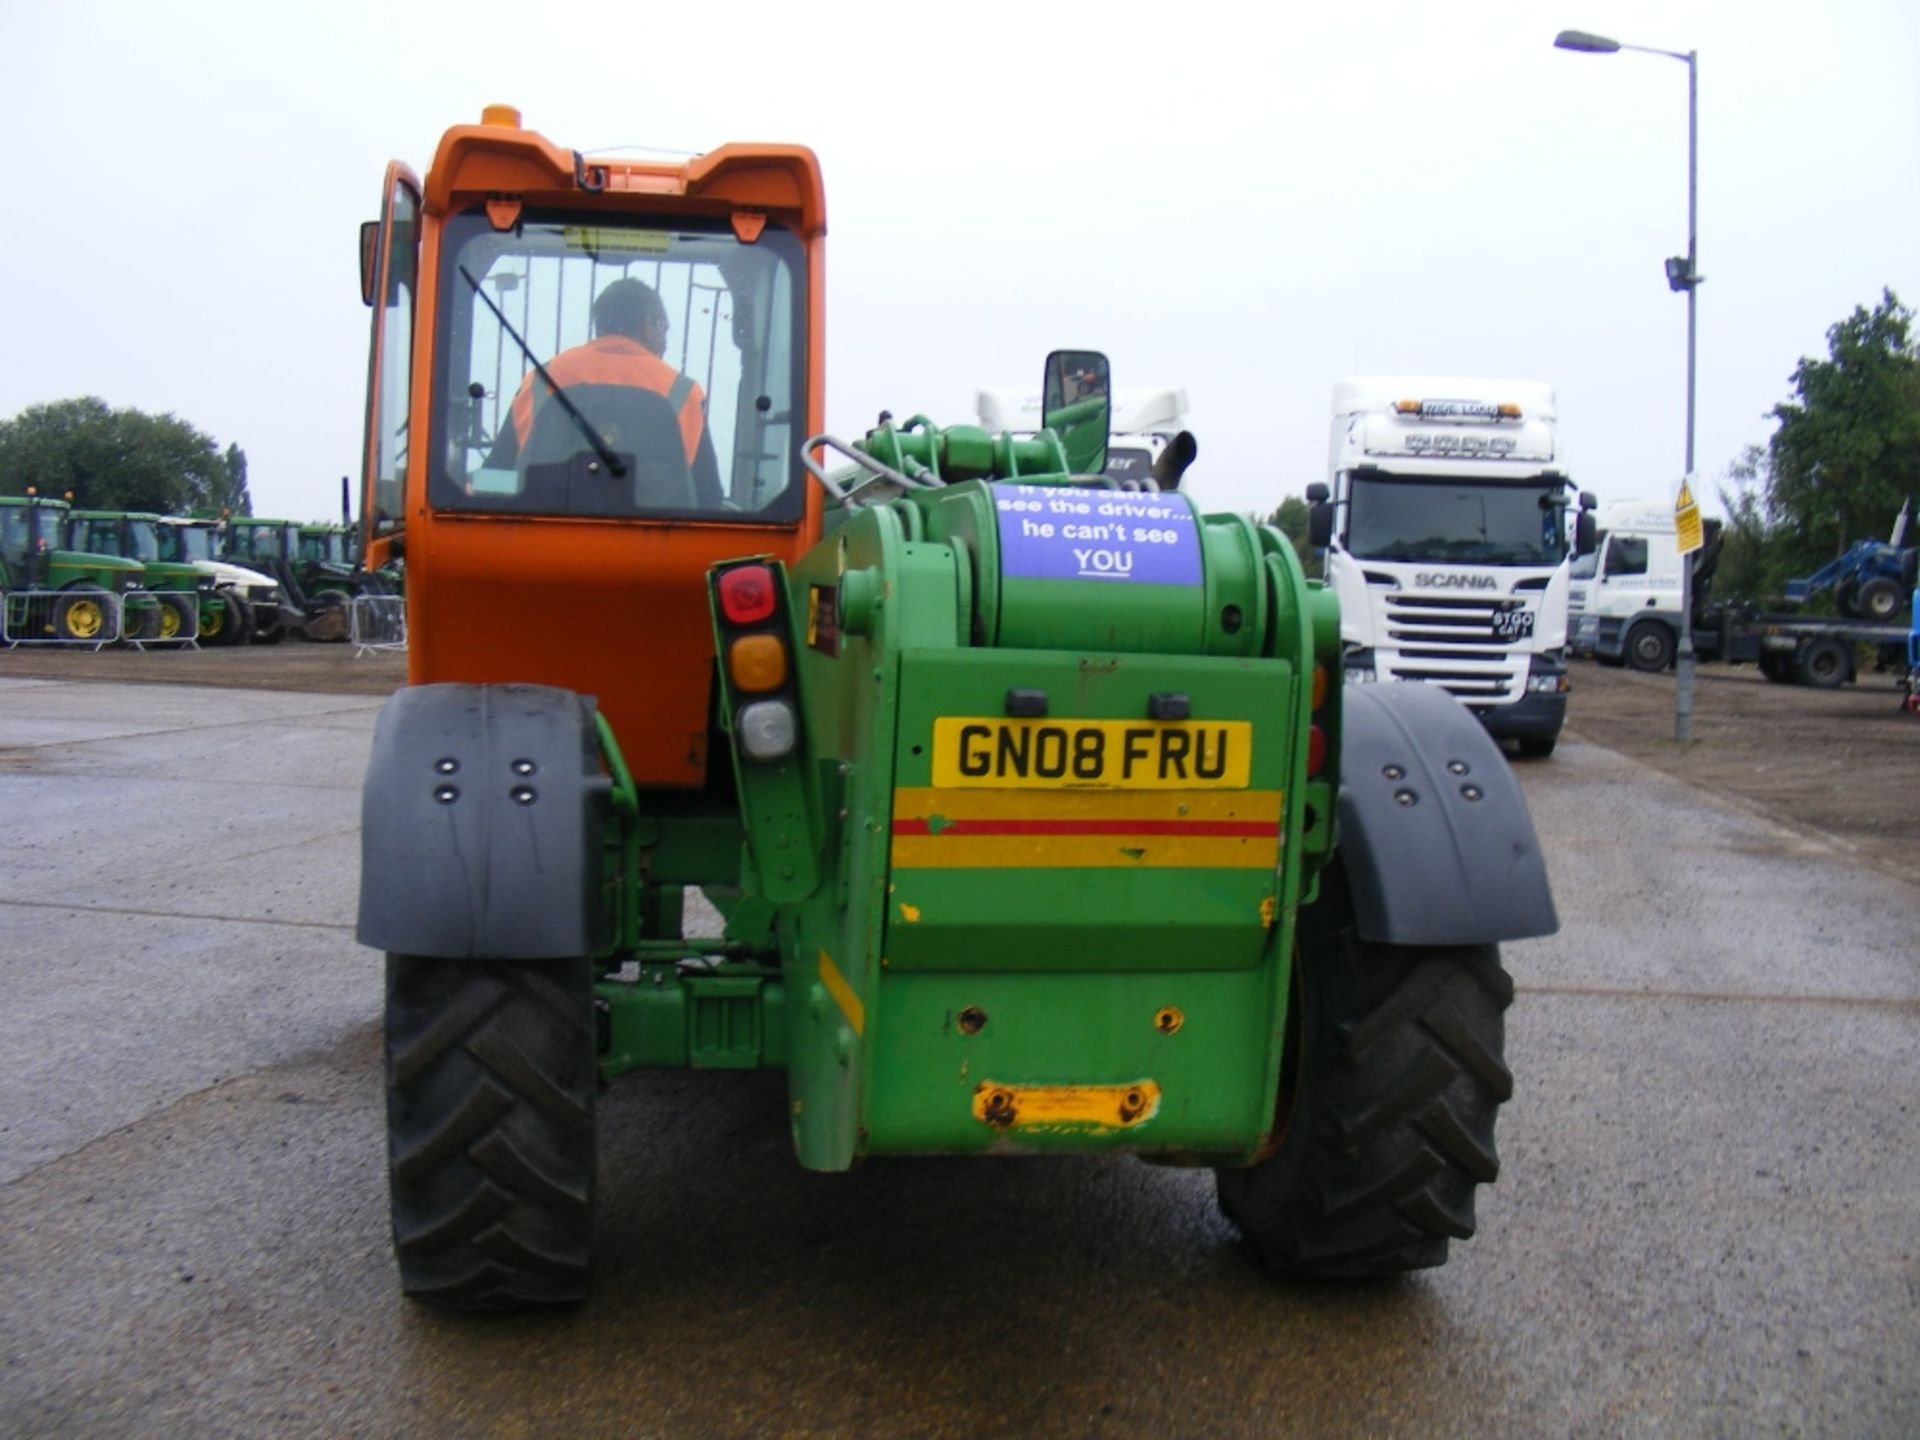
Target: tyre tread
1403	1074
492	1078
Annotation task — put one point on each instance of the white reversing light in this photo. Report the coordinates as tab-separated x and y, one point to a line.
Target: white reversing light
766	729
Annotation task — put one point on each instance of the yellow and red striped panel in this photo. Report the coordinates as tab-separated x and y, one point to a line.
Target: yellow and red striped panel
1085	829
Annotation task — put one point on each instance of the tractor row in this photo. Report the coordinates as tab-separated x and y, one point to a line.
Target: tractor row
92	577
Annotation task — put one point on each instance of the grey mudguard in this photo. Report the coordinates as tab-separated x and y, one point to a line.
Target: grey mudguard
1434	832
480	826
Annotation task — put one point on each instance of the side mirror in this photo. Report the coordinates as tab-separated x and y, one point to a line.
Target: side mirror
1319	516
1077	405
1320	525
369	256
1585	538
1589	501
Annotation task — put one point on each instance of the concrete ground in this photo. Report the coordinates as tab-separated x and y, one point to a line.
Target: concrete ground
1708	1219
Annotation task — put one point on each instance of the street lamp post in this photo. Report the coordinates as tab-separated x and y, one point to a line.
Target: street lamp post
1682	274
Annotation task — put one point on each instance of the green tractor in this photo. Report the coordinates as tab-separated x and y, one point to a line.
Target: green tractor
52	592
1032	806
179	600
249	608
316	587
327	548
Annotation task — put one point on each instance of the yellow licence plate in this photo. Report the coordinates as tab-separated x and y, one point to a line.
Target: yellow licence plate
999	753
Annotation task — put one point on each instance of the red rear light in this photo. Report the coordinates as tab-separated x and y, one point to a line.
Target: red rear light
747	595
1316	750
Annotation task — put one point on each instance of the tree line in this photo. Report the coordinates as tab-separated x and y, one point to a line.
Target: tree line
1843	459
121	459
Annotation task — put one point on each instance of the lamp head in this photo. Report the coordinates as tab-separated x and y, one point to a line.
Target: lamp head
1582	41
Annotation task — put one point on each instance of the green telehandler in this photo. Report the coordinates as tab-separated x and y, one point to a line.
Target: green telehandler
1033	809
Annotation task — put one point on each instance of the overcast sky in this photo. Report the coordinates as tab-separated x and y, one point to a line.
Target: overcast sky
1246	201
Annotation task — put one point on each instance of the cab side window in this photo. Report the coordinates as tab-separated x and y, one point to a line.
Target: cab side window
1626	556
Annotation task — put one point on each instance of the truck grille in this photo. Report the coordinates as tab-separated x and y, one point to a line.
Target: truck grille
1450	642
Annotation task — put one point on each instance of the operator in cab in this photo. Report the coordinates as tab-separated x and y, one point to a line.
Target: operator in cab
629	337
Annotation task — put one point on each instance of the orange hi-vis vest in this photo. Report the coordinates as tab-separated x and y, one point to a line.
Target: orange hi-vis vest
616	360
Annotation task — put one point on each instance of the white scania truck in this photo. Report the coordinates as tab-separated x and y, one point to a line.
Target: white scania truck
1449	523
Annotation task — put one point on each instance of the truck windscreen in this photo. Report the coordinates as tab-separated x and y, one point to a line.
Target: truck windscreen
1456	520
612	366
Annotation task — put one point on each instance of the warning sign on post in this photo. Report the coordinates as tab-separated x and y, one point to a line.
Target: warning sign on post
1686	521
1065	532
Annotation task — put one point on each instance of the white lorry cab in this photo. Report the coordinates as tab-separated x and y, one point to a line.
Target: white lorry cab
1624	600
1449	524
1148	443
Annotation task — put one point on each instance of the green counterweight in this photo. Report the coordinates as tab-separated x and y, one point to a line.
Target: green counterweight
1036	851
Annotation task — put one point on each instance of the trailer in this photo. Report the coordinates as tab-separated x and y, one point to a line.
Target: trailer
1625	607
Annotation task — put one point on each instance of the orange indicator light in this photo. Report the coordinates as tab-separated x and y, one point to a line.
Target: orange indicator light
757	663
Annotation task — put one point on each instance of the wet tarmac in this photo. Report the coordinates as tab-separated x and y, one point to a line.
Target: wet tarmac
1708	1220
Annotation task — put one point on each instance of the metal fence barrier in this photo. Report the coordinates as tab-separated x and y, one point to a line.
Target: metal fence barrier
160	617
377	623
84	618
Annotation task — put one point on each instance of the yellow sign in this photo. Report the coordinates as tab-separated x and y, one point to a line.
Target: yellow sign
1686	522
991	752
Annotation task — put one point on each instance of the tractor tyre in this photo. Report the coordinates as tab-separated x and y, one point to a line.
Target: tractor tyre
1393	1075
1846	600
140	621
491	1074
83	615
216	619
1649	646
271	634
1879	600
1825	663
173	619
1535	747
240	622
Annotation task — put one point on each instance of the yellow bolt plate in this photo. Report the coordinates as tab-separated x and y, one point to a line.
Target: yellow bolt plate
1032	1107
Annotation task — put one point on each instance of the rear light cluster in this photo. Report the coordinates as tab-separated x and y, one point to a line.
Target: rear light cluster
755	649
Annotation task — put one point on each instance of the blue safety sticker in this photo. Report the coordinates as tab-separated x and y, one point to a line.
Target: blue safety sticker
1067	532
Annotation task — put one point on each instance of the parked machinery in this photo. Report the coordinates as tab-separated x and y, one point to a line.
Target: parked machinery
52	592
176	600
1034	806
